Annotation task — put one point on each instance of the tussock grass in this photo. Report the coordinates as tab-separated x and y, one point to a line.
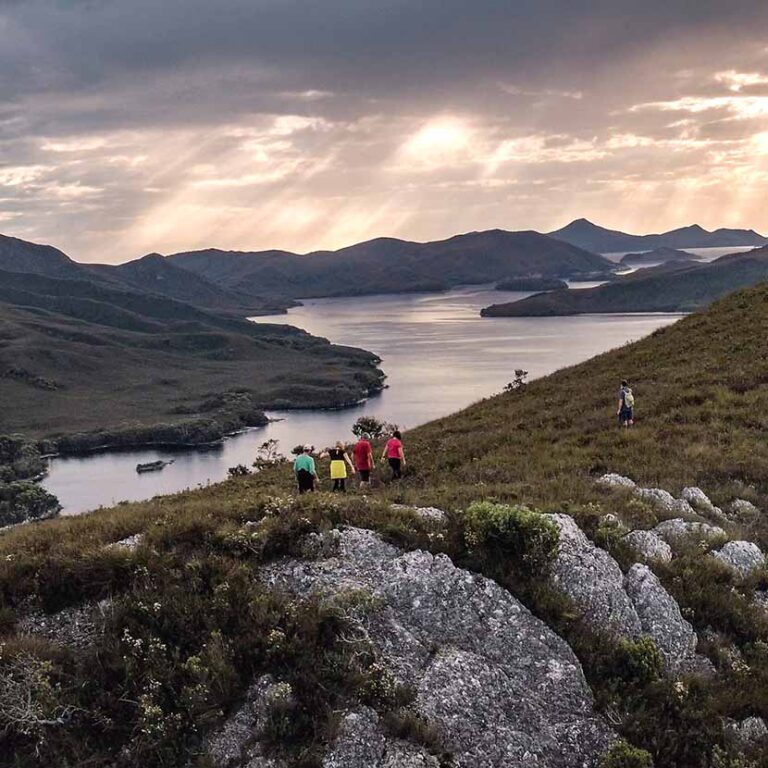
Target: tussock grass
702	399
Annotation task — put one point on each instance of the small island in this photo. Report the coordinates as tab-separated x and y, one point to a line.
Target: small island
657	256
533	283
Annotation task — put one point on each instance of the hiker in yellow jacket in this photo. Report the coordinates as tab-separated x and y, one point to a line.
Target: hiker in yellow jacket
339	462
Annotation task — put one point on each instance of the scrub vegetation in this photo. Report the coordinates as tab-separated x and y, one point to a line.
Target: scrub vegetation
188	625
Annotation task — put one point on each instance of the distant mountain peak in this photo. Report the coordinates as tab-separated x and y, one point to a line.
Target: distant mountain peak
585	234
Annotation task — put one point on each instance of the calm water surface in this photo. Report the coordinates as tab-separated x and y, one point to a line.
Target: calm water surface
439	356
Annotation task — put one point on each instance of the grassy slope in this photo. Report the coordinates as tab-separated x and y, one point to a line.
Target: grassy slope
702	398
75	356
702	409
676	287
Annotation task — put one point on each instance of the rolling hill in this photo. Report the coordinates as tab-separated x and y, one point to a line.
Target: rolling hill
388	265
78	356
678	286
425	621
585	234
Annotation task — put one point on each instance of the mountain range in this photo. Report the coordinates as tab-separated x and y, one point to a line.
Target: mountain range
585	234
388	265
677	286
84	354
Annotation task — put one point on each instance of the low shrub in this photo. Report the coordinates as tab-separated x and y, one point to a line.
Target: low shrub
624	755
519	536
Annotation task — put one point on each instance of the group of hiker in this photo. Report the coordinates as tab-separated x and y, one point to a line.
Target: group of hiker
361	463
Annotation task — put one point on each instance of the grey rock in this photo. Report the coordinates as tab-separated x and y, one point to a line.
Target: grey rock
661	619
761	600
679	531
496	684
235	744
742	557
681	508
613	480
747	733
428	513
660	498
744	510
697	498
701	503
649	546
130	543
77	627
592	579
362	743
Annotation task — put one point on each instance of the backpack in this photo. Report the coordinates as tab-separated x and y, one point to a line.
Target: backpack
629	398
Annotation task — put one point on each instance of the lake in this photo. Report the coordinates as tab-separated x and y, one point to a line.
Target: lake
439	356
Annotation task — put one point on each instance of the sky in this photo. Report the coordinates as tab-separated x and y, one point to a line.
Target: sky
133	126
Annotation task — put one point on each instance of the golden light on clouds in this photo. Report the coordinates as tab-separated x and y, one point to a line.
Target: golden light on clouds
440	141
307	131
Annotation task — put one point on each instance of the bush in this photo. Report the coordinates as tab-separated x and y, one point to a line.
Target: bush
639	661
526	537
23	500
370	425
624	755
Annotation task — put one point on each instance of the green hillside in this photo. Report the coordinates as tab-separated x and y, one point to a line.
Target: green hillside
76	356
677	286
190	621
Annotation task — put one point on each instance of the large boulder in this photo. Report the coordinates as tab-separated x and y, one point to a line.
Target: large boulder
659	498
592	579
661	620
649	546
742	557
495	683
748	733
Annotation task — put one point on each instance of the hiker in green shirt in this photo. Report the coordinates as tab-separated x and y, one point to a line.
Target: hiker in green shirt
304	467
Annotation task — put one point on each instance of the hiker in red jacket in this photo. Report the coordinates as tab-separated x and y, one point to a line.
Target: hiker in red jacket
362	455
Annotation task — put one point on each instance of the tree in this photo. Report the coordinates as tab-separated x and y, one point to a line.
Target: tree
519	382
370	425
268	455
23	500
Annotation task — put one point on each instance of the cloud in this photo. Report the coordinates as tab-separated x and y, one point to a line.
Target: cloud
133	125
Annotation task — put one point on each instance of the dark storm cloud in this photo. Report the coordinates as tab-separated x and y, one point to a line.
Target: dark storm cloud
261	121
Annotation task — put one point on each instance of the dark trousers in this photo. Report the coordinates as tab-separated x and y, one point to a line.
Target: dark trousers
306	481
397	468
340	484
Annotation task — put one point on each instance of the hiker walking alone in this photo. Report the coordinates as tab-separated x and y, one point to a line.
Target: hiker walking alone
363	456
394	454
626	412
339	462
304	467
